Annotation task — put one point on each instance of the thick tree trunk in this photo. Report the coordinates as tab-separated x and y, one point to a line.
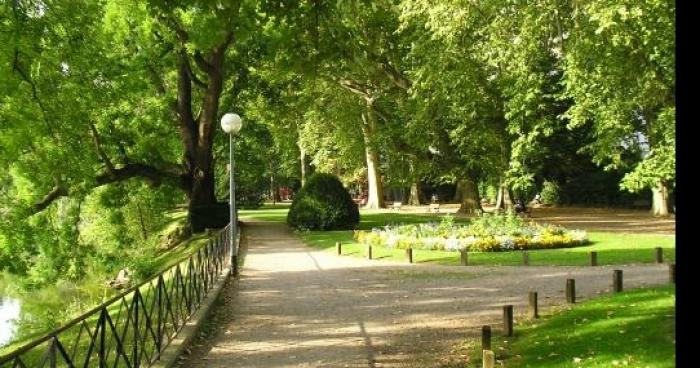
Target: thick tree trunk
503	198
414	199
198	135
660	200
469	196
375	196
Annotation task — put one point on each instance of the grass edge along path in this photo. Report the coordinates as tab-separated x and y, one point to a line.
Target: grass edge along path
635	328
612	248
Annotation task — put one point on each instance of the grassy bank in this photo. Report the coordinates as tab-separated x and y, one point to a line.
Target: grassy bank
49	307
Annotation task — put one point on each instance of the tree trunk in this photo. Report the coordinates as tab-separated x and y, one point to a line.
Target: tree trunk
304	165
375	197
660	200
469	196
414	198
503	199
198	137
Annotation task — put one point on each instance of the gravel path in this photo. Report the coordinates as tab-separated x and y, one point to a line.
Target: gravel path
295	306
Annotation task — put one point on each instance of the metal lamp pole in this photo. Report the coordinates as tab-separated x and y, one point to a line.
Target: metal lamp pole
231	124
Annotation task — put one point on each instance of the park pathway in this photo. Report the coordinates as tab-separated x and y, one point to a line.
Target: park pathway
295	306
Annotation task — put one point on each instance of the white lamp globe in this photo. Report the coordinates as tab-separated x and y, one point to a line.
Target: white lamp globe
231	123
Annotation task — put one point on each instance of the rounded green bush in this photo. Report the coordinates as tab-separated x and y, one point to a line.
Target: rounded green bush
323	204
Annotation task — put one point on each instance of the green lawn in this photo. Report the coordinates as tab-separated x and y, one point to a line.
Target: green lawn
634	329
612	248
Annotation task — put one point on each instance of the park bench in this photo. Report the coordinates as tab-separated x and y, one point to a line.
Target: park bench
396	206
435	207
641	203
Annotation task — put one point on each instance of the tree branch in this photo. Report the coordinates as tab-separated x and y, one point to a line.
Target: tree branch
98	146
55	193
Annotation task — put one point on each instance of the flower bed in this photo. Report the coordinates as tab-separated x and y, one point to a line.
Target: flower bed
492	233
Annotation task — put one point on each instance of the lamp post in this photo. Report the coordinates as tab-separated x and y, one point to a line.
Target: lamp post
231	123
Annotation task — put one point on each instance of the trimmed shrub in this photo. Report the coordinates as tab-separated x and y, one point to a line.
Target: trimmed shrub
323	204
550	193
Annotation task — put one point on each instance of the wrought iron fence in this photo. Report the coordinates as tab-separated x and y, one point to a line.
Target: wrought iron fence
133	328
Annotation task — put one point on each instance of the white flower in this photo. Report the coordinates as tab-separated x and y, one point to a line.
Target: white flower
506	241
453	244
578	235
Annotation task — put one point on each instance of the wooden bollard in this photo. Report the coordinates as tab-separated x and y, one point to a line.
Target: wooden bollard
532	305
489	359
672	272
617	281
338	248
369	252
409	255
508	320
571	291
464	258
526	258
594	258
659	255
486	337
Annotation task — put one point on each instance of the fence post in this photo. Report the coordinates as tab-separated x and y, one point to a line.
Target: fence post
594	258
464	258
526	258
532	305
659	255
489	359
409	255
486	337
135	308
672	272
508	320
338	248
103	327
369	252
571	291
159	320
617	281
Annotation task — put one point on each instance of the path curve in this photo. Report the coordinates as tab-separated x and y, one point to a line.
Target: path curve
295	306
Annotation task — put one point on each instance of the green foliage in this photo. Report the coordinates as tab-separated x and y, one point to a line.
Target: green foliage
323	204
550	193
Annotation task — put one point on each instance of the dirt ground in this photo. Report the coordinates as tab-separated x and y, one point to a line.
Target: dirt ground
598	219
294	306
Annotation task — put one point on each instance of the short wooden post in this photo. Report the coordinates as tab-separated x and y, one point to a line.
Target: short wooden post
532	305
338	248
486	337
508	320
594	258
409	255
659	255
369	252
464	258
489	359
571	291
617	281
526	258
672	272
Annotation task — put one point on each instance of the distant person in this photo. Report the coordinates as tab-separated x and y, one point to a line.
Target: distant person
434	198
538	199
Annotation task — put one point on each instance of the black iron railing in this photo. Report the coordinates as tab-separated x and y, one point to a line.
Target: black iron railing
133	328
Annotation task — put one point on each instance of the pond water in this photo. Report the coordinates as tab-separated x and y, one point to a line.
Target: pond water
9	313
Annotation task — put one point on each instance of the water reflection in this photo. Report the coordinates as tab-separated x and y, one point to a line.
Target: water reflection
9	313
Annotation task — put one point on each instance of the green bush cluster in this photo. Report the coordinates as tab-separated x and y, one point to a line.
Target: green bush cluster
323	204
